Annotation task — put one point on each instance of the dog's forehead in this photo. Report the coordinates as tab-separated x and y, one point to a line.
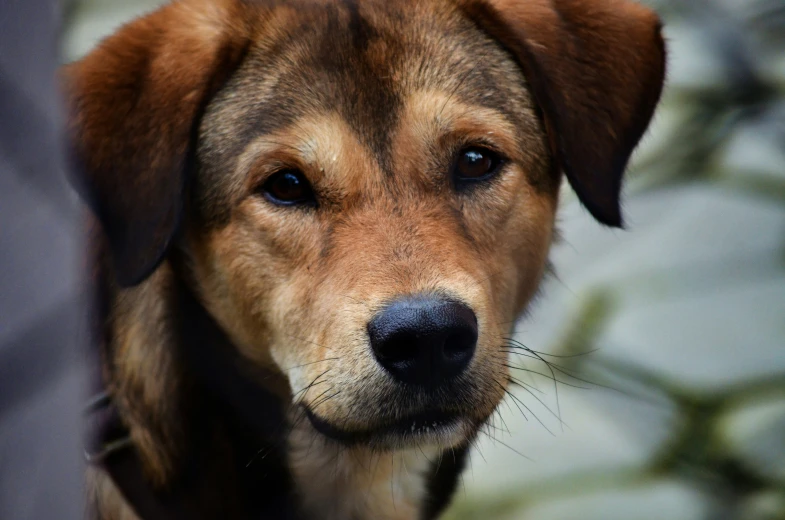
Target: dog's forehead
364	61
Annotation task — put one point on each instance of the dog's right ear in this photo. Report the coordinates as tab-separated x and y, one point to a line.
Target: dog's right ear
134	106
596	69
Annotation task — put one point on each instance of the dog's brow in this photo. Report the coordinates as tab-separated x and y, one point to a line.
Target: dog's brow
325	146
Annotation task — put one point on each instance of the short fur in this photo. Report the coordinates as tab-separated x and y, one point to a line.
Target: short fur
178	119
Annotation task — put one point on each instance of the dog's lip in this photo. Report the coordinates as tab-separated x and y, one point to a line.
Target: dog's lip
428	422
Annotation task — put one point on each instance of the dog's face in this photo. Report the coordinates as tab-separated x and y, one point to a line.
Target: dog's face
376	206
372	186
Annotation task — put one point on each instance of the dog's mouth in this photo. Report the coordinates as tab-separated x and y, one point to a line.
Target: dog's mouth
438	427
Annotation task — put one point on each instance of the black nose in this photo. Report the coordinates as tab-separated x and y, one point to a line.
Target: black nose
424	340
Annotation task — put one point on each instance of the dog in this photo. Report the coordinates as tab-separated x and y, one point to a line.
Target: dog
317	222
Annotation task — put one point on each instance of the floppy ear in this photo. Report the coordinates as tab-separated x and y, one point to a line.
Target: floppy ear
596	68
134	105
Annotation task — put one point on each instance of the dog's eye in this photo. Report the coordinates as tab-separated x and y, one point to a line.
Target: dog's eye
476	164
288	187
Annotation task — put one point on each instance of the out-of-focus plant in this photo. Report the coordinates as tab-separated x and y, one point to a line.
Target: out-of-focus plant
743	89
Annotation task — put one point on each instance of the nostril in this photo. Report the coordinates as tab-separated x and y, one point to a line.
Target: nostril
398	349
459	345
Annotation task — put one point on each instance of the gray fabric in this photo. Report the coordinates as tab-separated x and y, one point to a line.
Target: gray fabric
42	334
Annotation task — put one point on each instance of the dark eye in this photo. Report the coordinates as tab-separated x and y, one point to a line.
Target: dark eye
288	187
476	164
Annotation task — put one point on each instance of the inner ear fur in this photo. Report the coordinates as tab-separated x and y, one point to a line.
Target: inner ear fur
134	106
596	68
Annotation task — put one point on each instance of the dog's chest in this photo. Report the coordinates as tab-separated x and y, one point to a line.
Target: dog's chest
339	483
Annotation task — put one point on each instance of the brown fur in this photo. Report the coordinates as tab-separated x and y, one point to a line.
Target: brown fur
181	116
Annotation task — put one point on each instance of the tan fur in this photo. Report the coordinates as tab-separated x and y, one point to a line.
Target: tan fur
338	483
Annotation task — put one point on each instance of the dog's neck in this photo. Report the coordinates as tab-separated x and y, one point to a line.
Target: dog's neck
223	440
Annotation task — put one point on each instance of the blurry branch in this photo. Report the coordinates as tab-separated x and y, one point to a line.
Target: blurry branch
709	115
695	451
509	504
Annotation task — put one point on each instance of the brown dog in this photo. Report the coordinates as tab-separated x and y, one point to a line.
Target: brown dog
320	220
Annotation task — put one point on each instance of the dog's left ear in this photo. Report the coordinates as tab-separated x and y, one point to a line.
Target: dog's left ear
134	107
596	69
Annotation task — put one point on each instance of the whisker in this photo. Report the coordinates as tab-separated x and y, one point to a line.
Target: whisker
491	428
405	468
567	372
315	399
556	380
479	451
258	453
313	383
515	451
311	363
424	455
513	402
511	367
557	416
324	400
509	407
516	398
553	375
439	462
504	423
392	481
563	356
309	341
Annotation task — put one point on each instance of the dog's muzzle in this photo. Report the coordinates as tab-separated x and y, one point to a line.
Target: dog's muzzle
425	343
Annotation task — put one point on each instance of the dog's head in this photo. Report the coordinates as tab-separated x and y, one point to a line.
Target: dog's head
364	192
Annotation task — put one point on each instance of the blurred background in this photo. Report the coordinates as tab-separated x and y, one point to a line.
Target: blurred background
651	379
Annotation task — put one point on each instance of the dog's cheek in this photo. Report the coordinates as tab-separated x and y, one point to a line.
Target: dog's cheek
234	274
296	344
332	369
523	248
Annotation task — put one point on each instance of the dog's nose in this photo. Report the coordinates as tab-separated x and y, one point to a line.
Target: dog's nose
423	340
